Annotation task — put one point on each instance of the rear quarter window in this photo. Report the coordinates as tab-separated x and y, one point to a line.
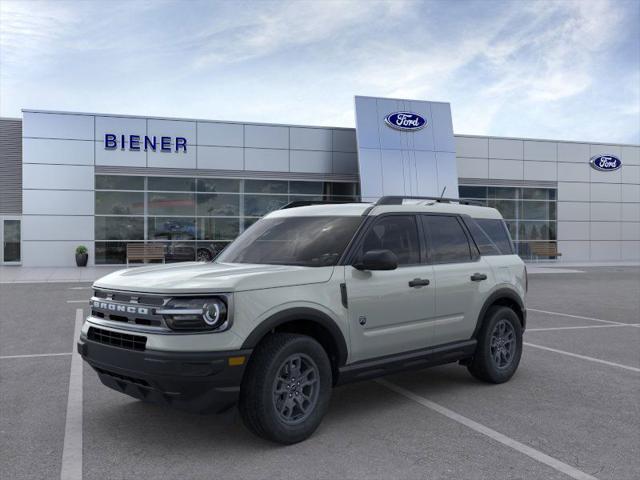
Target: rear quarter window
491	236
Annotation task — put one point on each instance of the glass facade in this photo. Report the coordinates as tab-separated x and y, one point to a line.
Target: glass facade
530	213
194	218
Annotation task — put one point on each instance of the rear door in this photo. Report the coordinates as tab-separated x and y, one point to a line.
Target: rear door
462	277
390	311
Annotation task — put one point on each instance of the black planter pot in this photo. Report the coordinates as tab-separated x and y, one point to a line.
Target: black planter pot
81	259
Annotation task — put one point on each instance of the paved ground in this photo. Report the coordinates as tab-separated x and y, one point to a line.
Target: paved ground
573	411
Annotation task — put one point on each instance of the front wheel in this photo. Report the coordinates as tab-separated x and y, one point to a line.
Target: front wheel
286	389
499	346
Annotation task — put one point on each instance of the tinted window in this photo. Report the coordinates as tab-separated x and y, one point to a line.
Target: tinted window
305	241
497	233
396	233
447	240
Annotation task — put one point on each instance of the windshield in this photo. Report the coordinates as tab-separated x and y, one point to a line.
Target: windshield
305	241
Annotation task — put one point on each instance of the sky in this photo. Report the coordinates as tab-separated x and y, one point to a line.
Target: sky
540	69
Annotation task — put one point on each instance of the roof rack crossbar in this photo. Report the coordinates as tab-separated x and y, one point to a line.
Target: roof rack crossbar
398	199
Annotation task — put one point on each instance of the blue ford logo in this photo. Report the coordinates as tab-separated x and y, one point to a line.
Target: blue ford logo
405	121
605	163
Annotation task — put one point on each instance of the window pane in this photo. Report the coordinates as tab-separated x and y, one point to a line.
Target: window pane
218	228
448	242
178	251
307	188
172	204
501	192
227	205
207	251
398	234
535	210
258	205
536	193
167	228
213	185
343	189
306	241
535	231
110	253
119	228
507	208
172	183
250	221
497	232
472	192
120	203
119	182
266	186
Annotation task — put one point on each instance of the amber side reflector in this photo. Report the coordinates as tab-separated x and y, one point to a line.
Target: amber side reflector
236	361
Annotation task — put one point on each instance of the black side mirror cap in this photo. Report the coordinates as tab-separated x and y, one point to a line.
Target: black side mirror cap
377	260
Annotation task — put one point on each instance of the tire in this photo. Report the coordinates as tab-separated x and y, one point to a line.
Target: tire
204	255
271	405
496	359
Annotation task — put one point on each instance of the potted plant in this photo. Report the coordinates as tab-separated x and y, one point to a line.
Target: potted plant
82	256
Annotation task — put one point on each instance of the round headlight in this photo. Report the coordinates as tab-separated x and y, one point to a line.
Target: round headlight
213	313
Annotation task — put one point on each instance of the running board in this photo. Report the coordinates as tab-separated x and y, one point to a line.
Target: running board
414	360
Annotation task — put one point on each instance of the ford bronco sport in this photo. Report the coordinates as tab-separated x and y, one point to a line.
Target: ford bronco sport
308	298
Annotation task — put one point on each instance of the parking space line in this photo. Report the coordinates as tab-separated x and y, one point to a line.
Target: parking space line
78	301
583	357
582	327
6	357
72	448
576	316
489	432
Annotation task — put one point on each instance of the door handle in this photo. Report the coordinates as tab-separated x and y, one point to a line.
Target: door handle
477	277
419	282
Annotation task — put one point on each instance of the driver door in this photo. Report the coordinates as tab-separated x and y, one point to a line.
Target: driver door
387	315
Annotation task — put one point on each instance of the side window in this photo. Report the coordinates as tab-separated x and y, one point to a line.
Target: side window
398	233
448	242
497	231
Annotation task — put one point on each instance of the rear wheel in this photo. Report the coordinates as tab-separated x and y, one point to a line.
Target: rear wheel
499	346
286	389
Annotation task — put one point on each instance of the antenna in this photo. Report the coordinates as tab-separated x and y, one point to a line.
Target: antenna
442	194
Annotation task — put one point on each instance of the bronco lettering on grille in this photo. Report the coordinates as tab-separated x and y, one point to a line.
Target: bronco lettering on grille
114	307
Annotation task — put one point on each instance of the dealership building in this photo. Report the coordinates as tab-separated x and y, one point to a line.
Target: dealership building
191	186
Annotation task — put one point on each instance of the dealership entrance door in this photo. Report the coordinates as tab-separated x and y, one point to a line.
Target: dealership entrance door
10	235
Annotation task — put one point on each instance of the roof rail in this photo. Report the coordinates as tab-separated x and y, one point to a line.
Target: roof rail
307	203
397	200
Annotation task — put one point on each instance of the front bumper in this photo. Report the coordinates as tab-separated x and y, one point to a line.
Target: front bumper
200	382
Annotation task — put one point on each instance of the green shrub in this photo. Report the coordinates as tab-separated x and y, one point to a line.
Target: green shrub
81	250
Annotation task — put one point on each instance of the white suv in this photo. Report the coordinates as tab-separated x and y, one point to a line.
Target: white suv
310	297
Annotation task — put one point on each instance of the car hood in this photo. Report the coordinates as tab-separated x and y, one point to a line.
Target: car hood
199	277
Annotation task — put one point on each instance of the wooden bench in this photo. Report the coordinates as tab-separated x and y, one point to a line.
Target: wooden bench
545	249
144	253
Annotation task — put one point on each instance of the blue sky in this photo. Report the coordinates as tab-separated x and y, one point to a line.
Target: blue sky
544	69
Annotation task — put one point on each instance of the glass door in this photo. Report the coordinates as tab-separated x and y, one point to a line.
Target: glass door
10	234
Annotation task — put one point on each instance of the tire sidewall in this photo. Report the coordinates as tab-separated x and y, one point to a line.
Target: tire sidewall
295	433
500	375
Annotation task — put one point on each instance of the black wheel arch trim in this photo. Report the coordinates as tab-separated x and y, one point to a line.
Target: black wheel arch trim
502	293
300	314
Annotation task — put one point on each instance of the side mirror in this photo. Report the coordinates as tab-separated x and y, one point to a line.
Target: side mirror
377	260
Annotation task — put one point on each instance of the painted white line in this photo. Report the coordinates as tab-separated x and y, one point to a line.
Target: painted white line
576	316
5	357
583	357
489	432
79	288
582	327
72	448
78	301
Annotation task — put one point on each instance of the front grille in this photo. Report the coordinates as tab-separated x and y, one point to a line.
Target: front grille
128	307
117	339
156	301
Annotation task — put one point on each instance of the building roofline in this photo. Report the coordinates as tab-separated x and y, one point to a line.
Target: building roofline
182	119
403	99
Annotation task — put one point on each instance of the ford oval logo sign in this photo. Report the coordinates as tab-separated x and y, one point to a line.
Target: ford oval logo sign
605	163
405	121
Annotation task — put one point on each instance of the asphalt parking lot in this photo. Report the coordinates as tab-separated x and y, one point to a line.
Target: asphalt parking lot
571	411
